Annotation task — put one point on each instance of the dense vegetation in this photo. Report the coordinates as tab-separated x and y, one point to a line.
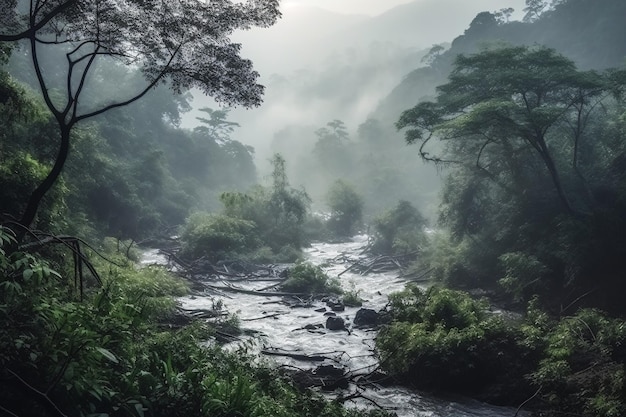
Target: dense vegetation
145	174
530	144
264	225
442	339
533	193
532	150
106	354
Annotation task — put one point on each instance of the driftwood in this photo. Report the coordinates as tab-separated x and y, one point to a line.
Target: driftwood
380	264
296	356
229	288
269	316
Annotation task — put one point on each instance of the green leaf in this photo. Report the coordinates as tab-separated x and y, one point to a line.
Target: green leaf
108	354
27	274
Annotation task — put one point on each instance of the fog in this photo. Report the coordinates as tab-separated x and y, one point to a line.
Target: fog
339	60
331	59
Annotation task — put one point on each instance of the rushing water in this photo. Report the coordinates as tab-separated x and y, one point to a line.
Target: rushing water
280	326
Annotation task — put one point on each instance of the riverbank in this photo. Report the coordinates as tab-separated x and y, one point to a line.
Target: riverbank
300	331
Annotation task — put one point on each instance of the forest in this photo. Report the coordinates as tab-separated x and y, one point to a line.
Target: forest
491	180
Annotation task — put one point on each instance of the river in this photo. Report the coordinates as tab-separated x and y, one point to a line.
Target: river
280	326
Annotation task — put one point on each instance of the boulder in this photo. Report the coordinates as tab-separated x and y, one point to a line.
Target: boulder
366	317
335	323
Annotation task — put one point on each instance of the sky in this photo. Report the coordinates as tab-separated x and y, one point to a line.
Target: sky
376	7
368	7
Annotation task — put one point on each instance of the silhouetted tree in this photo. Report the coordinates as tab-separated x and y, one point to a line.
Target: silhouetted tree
184	43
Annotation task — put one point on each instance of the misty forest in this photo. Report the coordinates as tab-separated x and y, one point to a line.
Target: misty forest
260	208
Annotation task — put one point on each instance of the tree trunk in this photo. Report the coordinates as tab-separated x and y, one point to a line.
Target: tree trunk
37	196
556	180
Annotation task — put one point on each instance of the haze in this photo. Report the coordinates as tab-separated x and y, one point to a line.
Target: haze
321	43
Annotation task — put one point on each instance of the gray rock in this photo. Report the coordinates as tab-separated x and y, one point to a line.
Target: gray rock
335	323
366	317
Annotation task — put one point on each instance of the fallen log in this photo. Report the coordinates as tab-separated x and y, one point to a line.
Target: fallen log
228	288
269	316
296	356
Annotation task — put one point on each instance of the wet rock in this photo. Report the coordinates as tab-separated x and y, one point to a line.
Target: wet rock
311	326
320	310
335	323
329	370
323	377
335	305
366	317
331	377
330	314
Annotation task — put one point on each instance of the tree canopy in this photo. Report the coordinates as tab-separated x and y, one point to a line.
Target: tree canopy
183	43
514	100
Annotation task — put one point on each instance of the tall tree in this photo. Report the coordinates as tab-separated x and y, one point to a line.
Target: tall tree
184	43
512	99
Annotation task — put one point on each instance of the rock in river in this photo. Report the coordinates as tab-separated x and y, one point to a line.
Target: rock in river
366	317
335	323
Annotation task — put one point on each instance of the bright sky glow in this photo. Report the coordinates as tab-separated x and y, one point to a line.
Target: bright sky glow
368	7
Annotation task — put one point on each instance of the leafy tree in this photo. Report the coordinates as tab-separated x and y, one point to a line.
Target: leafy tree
433	54
534	9
399	230
511	99
526	137
278	212
217	124
331	148
184	43
346	209
503	15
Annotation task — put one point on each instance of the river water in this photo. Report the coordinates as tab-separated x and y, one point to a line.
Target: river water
278	325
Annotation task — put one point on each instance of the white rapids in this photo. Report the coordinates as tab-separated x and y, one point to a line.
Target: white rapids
279	326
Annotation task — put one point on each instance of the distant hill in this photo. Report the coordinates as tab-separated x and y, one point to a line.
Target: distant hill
590	32
421	23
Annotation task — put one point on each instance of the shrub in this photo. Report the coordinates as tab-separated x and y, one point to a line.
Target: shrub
106	356
444	339
218	236
305	277
351	299
583	365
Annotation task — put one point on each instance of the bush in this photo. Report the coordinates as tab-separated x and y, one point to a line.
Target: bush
218	236
106	356
583	365
399	231
444	340
308	278
351	299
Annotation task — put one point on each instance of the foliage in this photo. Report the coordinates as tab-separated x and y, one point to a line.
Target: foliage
131	173
399	231
305	277
346	209
351	297
530	150
583	366
443	339
217	236
331	149
107	356
186	44
278	214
